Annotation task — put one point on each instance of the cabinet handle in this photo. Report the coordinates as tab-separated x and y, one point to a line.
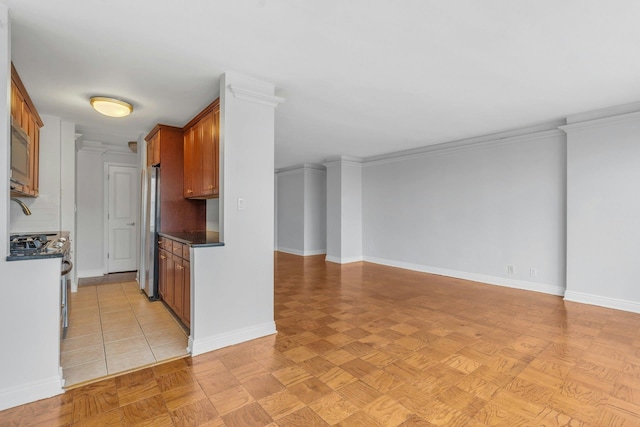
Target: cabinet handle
163	257
189	191
181	267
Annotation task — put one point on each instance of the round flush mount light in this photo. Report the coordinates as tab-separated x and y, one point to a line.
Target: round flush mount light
111	107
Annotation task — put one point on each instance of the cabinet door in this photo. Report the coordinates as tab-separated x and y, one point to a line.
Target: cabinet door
208	155
178	283
162	273
186	312
189	159
16	103
34	139
170	284
196	172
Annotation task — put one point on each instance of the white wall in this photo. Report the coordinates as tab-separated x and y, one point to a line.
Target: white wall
290	211
232	298
603	212
91	158
29	320
471	212
301	197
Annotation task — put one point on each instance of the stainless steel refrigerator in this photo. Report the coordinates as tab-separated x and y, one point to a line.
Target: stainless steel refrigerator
151	226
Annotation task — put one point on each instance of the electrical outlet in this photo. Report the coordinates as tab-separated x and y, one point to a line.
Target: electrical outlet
510	269
533	272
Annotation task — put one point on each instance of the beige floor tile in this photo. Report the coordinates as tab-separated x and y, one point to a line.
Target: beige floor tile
120	334
111	325
85	372
76	319
108	288
81	356
70	344
152	318
78	331
166	336
117	315
128	345
159	326
170	350
129	361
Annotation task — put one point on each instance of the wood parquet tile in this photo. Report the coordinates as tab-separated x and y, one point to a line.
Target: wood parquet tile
367	345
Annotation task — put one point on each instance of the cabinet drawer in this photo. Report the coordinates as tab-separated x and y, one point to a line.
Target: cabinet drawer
164	243
185	252
177	248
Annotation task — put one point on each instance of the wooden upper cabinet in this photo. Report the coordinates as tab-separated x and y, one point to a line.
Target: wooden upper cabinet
25	116
177	214
201	154
153	149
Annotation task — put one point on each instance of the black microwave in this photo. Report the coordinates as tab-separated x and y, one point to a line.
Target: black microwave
20	159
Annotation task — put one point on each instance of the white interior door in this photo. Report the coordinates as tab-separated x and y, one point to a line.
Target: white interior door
122	215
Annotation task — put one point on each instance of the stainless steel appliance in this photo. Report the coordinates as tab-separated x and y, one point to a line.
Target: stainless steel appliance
151	221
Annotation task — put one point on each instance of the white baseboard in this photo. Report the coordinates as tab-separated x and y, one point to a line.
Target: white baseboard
238	336
302	253
343	260
90	273
30	392
491	280
615	303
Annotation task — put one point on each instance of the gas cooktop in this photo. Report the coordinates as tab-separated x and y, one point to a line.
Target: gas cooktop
35	244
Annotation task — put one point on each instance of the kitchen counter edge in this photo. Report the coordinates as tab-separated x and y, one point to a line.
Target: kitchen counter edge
196	239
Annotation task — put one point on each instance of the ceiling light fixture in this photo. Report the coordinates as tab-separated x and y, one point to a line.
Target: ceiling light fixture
111	107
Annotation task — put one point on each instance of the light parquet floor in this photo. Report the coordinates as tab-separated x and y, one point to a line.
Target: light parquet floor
367	345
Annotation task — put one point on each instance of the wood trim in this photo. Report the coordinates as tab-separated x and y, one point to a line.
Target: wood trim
18	82
207	110
158	127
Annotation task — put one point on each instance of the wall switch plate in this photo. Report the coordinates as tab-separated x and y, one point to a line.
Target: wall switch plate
533	272
510	269
240	204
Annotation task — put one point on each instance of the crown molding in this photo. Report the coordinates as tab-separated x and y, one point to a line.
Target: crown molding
605	121
255	97
602	113
343	160
510	137
102	147
301	167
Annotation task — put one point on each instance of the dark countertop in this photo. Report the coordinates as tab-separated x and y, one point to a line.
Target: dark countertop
51	253
196	239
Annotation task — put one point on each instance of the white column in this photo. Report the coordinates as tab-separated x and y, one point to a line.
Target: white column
344	210
233	284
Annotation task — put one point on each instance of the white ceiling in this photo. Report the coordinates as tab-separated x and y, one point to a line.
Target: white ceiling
360	77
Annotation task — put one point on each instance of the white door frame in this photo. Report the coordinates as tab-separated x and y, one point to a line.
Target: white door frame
105	212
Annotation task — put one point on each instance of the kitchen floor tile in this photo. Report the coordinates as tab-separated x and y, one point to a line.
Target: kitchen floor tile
130	361
81	356
110	325
170	350
159	326
83	341
125	346
126	331
84	372
78	331
166	336
120	334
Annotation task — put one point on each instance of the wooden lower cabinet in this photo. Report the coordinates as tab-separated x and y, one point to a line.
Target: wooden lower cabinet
174	281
